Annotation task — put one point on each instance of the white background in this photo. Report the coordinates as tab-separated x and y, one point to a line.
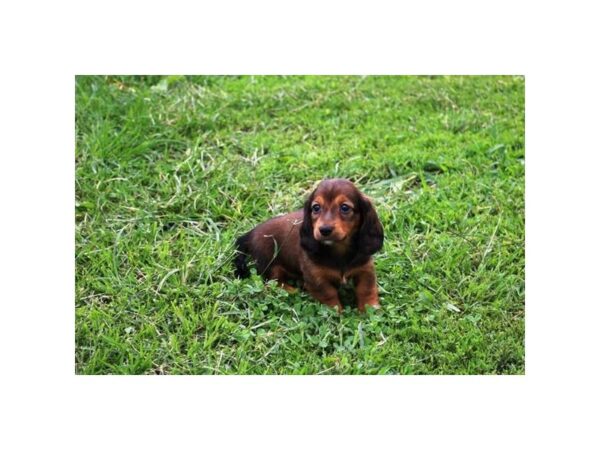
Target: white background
44	44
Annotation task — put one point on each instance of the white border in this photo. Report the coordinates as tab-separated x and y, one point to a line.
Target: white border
47	43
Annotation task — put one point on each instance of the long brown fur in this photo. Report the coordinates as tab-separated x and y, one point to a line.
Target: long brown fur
324	245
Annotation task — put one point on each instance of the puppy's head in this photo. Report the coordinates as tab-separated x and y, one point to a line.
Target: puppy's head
339	216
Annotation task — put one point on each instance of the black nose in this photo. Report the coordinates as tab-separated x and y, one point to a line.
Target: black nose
326	230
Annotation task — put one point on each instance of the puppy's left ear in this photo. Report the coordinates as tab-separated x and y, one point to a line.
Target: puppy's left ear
307	240
370	234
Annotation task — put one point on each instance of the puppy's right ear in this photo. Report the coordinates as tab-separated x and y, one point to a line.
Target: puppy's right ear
370	235
307	239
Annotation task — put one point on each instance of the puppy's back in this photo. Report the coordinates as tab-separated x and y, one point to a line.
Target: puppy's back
274	242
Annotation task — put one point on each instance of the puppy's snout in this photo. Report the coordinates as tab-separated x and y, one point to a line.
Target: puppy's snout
325	230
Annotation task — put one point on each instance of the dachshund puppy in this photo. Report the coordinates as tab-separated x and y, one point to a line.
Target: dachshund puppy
326	244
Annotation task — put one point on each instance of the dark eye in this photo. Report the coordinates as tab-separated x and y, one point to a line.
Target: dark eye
345	208
316	208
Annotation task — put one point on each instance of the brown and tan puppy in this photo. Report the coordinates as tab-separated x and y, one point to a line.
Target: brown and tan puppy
326	244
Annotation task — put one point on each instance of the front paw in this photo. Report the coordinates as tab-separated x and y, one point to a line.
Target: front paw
372	303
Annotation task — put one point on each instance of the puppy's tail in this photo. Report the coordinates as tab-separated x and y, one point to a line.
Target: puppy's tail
240	261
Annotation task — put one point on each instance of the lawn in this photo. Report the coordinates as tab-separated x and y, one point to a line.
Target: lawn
171	170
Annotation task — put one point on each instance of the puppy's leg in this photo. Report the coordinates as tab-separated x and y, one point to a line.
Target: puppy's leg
365	288
279	274
326	293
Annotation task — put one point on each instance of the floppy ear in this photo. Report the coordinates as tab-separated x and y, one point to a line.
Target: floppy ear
370	234
307	239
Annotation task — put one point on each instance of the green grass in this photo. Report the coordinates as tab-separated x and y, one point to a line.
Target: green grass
170	170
